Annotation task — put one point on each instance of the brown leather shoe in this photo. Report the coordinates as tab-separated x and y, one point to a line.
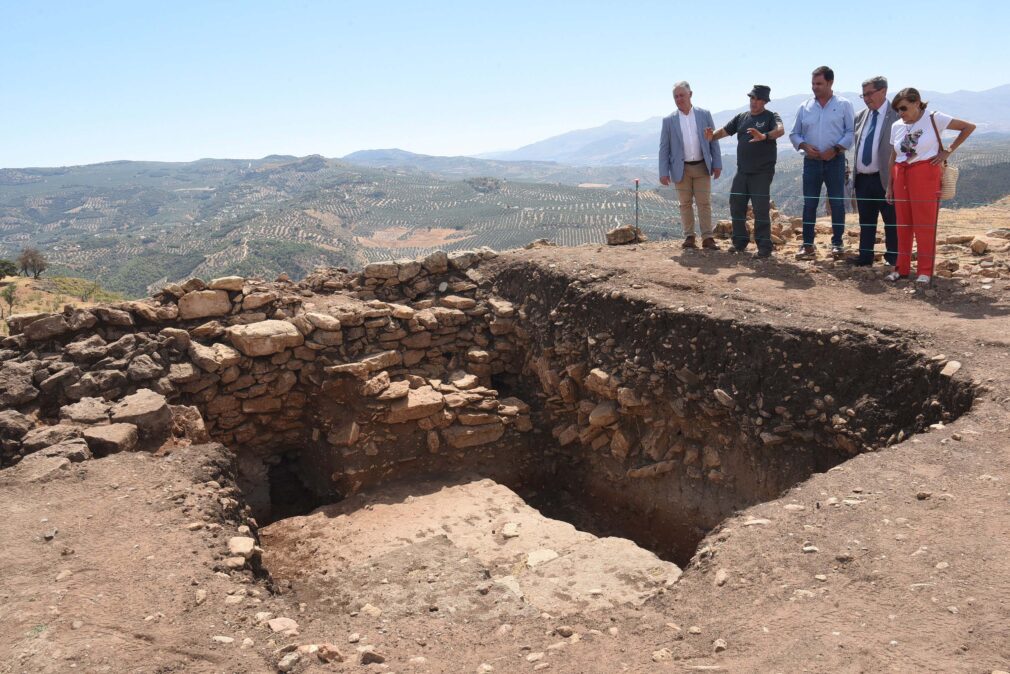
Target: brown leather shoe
709	244
689	243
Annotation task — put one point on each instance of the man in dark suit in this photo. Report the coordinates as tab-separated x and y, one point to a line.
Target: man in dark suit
871	177
690	162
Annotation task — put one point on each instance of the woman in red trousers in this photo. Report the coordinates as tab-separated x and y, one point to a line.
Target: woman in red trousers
917	158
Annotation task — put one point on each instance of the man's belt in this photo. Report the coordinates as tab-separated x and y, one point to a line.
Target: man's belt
692	163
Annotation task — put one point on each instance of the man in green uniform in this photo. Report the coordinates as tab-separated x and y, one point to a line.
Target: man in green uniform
756	130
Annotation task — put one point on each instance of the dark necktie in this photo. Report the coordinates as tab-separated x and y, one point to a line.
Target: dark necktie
868	145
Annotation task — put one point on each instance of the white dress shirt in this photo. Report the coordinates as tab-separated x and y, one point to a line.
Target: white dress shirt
689	132
874	165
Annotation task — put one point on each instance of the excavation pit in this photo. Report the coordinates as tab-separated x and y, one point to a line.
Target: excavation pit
699	423
649	423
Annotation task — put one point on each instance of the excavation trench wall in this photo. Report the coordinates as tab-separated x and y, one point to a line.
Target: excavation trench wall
664	421
625	417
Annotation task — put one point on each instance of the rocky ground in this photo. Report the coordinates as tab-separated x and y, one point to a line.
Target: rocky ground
896	560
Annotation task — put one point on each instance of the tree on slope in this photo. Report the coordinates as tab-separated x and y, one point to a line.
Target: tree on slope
31	261
8	295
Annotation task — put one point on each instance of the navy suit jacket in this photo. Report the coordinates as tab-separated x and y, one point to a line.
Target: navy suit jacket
671	146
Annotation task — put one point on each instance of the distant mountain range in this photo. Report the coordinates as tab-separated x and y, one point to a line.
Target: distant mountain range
636	143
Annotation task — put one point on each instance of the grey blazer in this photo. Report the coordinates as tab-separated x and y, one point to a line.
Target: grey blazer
883	134
671	145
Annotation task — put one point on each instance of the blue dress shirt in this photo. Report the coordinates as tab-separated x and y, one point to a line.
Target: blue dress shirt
824	127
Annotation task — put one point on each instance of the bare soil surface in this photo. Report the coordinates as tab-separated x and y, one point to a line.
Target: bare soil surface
897	560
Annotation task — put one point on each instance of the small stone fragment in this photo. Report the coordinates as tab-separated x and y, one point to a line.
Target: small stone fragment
370	656
289	661
285	626
242	546
662	655
329	653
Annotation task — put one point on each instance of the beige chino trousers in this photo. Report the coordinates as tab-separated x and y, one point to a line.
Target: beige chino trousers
696	187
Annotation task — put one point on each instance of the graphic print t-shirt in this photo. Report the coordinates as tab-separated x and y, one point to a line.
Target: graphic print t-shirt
759	156
917	142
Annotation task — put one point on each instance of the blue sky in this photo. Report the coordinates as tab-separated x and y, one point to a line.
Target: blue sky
94	81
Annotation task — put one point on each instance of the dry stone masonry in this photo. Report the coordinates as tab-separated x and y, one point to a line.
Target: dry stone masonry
662	417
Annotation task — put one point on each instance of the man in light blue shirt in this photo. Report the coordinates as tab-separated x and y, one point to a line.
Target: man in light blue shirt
823	131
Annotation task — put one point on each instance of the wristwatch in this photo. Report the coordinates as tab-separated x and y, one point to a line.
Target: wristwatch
839	149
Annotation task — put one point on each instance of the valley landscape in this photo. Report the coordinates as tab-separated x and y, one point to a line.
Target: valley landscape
131	226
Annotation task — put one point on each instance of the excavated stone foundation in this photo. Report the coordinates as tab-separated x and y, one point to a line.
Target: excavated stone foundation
620	416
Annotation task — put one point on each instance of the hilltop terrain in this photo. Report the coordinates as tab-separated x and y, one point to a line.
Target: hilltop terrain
771	466
51	294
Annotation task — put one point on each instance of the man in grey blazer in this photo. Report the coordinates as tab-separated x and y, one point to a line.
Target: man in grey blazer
690	162
870	175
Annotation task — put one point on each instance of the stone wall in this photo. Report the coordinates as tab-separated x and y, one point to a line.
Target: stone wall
666	418
323	368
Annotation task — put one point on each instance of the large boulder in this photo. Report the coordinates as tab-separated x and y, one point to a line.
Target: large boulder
74	450
188	423
111	316
148	411
46	436
381	270
215	357
106	383
227	283
86	350
14	425
143	368
624	235
18	322
36	468
88	411
203	303
16	384
418	403
60	379
46	328
80	319
111	438
461	260
265	338
258	299
461	437
436	262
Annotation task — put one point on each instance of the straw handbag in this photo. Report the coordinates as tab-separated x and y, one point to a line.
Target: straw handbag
948	180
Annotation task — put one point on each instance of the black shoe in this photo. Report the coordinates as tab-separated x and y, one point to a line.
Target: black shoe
762	255
855	262
735	250
806	252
